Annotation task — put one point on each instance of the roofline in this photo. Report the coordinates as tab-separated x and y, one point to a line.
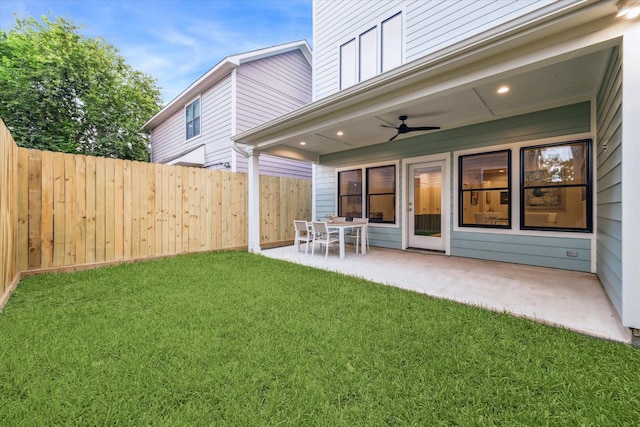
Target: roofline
263	135
220	71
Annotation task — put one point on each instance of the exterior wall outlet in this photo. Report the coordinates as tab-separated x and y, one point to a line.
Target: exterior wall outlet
572	254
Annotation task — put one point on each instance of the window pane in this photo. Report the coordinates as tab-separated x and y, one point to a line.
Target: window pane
196	126
196	108
189	130
555	165
553	207
382	208
556	187
189	113
392	42
350	193
348	64
484	198
381	180
368	54
350	206
381	191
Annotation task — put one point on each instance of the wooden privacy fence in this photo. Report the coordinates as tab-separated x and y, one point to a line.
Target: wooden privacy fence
71	210
9	272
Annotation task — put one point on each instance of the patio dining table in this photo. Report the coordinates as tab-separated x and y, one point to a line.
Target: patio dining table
343	225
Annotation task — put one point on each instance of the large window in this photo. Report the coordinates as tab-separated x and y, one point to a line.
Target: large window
556	187
350	193
192	113
484	198
378	203
381	194
376	50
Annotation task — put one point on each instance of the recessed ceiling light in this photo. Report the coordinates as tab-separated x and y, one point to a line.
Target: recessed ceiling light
503	89
303	143
339	133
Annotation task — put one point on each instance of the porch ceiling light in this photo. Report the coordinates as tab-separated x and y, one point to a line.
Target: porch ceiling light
303	143
629	9
339	133
503	89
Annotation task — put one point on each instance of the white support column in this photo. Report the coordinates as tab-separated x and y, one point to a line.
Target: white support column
253	218
631	177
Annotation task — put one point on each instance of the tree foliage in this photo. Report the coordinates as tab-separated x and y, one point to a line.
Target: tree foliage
61	91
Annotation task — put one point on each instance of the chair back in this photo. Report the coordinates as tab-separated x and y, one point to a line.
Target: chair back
300	225
361	220
319	227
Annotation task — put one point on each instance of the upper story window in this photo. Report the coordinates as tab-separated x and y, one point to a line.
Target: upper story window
192	115
379	201
374	51
556	187
484	199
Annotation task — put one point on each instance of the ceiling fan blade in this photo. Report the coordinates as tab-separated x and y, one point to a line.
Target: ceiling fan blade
413	129
394	137
386	126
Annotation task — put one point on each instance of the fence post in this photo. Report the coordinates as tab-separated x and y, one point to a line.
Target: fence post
253	218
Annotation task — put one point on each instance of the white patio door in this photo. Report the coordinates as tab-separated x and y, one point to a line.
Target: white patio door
426	206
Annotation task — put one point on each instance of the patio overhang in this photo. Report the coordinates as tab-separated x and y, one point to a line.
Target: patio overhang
557	59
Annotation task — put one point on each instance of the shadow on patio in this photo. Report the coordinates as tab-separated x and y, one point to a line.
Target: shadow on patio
568	299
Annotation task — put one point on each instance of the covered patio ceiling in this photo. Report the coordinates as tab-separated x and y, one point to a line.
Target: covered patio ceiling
544	67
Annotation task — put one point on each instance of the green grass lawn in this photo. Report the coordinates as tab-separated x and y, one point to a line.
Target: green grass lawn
232	338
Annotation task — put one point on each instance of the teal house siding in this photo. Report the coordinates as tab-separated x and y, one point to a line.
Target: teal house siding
609	181
532	250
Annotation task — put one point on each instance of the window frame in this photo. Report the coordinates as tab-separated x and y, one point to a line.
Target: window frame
356	37
368	194
588	186
462	191
199	119
364	188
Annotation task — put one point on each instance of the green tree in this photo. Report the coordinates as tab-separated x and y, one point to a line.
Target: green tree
61	91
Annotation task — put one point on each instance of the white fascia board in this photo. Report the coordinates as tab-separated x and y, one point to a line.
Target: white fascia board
255	55
430	75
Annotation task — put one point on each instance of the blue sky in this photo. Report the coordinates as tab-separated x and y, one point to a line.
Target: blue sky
176	41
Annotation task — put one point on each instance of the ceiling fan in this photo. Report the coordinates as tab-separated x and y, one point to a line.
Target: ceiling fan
403	128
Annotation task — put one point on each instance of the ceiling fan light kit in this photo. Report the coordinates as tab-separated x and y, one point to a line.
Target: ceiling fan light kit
403	128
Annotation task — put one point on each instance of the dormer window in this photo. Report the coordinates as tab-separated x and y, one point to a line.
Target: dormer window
192	113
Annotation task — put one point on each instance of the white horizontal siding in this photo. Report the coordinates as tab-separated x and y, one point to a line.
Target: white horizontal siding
437	24
168	138
429	26
334	23
270	87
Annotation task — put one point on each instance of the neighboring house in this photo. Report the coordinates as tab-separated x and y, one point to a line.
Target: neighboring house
240	92
536	161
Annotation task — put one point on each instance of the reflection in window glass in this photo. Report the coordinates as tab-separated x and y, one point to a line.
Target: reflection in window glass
556	187
485	190
192	113
381	194
350	193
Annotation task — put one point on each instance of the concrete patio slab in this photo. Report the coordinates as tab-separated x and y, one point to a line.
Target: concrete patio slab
568	299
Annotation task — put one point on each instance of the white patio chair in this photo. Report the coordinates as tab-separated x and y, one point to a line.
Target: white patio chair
321	234
355	233
303	234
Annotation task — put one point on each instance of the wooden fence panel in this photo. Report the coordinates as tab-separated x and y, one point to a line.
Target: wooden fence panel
35	209
80	227
78	210
23	208
9	214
